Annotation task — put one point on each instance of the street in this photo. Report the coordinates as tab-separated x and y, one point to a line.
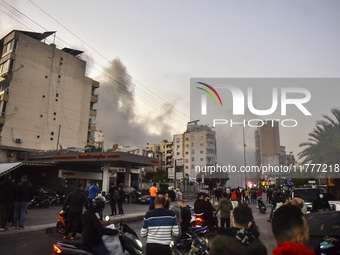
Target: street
41	243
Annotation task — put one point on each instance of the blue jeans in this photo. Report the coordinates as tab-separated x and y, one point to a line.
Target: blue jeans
151	205
20	209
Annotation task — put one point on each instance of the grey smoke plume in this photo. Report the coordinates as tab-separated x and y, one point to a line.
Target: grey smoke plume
117	117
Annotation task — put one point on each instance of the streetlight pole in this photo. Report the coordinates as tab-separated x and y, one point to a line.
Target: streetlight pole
244	156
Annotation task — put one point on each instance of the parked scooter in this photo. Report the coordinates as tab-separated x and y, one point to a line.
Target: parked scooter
129	240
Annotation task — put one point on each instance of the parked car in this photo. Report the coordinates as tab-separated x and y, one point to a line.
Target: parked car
144	199
131	194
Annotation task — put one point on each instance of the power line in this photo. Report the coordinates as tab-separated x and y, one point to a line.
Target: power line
149	99
152	93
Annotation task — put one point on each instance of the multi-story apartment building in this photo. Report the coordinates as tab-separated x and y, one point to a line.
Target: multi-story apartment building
269	151
197	147
286	159
267	142
153	150
166	148
46	101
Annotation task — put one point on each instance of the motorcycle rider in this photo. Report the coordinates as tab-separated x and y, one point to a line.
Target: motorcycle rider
74	201
93	228
199	204
209	212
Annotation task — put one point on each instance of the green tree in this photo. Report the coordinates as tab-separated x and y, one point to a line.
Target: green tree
157	176
323	146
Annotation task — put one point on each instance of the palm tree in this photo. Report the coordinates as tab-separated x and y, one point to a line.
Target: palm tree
323	146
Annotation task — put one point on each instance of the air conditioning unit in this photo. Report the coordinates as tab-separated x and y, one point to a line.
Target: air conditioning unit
18	140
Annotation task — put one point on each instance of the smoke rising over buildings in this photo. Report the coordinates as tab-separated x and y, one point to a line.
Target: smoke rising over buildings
117	116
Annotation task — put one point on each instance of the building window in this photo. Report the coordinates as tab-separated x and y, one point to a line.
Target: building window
192	151
201	144
187	145
187	139
178	146
201	152
192	159
192	166
192	144
177	153
9	47
201	159
201	137
187	153
6	67
187	161
3	106
186	167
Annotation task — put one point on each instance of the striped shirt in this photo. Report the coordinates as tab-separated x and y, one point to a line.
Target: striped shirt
159	225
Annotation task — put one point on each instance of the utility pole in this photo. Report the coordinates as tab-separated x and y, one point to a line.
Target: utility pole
244	157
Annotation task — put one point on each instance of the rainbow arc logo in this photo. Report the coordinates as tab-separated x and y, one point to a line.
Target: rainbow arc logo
209	93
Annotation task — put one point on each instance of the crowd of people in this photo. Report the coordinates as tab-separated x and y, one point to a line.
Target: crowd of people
168	217
237	232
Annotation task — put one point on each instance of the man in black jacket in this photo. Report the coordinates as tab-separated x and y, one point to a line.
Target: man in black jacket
23	194
93	229
74	201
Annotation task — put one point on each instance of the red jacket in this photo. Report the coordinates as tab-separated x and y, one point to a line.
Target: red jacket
233	195
288	248
259	193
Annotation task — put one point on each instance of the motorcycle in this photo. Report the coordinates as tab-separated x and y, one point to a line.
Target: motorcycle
262	206
199	220
61	223
130	244
39	200
192	242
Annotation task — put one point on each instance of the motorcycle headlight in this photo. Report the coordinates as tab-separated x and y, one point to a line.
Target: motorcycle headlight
139	243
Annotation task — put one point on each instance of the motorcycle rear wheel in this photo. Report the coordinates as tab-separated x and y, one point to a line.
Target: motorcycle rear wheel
60	228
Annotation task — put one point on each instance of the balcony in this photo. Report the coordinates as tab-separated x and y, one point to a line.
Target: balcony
93	112
94	98
95	84
8	57
2	119
6	78
4	97
92	128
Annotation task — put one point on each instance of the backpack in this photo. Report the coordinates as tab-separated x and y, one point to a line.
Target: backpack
116	195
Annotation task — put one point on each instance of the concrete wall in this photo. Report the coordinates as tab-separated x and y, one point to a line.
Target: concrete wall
49	92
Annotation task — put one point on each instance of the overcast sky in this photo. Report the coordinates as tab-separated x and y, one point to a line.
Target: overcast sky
163	44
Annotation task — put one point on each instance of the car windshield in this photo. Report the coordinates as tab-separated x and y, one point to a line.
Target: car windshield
308	195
